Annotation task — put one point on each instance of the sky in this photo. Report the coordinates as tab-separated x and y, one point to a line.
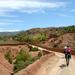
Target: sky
17	15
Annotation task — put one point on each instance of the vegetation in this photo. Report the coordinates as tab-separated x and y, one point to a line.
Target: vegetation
34	49
36	35
40	35
33	36
23	59
68	29
30	38
8	56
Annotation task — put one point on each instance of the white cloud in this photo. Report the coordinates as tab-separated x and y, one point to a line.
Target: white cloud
10	21
27	5
4	30
62	15
11	30
73	10
4	22
33	11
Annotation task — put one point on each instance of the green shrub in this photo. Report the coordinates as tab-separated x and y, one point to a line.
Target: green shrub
32	59
34	49
8	56
18	66
22	56
23	59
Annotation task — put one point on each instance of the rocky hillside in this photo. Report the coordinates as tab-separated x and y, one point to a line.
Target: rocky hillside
13	51
61	41
49	37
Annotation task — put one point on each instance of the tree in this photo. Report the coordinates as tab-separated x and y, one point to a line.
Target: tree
21	59
22	56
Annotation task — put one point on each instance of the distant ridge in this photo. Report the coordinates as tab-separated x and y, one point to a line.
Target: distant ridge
8	33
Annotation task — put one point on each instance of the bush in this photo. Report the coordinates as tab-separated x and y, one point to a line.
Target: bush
23	59
22	56
31	60
34	49
19	65
39	38
8	56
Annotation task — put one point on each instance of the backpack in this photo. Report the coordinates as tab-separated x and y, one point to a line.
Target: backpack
68	50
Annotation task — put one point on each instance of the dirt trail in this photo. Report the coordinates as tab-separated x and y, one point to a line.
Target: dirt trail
58	67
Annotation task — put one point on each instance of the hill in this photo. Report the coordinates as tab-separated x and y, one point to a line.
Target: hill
8	33
49	37
11	45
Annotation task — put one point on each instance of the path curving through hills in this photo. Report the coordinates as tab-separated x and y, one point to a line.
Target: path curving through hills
56	65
